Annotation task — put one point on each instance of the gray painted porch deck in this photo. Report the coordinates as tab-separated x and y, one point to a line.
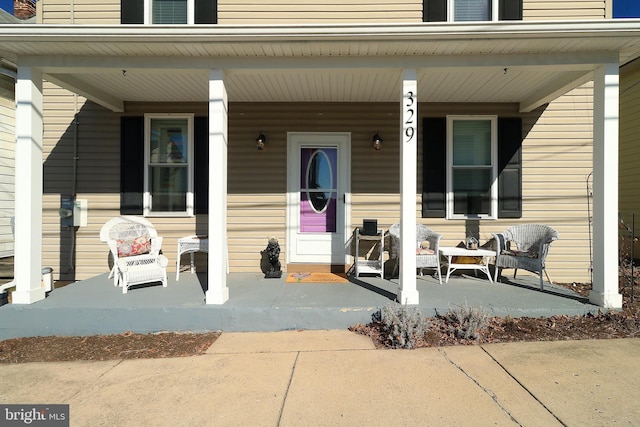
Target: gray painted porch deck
95	306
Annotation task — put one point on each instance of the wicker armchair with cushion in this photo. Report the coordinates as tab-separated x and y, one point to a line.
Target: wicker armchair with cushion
427	248
135	247
524	246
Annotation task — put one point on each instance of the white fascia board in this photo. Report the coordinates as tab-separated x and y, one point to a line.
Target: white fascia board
373	31
82	88
563	84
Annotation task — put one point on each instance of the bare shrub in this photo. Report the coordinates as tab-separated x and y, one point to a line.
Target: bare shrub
402	327
466	322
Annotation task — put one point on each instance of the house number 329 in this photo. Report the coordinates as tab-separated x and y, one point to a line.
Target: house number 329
409	113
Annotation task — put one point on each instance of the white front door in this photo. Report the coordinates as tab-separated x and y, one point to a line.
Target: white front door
317	185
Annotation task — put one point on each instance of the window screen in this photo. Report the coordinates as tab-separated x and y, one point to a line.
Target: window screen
472	169
472	10
169	12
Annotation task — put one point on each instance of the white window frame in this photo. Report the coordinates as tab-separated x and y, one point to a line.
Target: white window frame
148	13
494	167
495	11
147	200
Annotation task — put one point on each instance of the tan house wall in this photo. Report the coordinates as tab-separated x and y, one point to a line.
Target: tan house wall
251	12
549	10
629	188
7	161
557	159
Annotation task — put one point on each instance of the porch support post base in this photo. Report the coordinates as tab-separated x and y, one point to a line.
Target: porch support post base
217	296
408	296
612	300
28	297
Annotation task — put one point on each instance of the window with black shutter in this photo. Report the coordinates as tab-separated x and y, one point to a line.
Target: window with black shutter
470	10
159	146
436	169
132	11
131	165
168	12
201	165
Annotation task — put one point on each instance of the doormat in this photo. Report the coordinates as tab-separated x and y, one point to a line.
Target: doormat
317	278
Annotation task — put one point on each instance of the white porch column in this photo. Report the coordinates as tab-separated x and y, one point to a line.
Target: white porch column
217	292
407	291
605	187
28	187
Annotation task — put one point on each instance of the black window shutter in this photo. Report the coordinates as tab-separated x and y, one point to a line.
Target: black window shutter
132	11
131	165
206	12
434	10
201	165
509	167
510	10
434	167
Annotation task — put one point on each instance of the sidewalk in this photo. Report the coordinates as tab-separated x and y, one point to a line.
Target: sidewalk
336	377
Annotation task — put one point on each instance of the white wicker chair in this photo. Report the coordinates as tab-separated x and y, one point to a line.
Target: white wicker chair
135	247
531	243
423	233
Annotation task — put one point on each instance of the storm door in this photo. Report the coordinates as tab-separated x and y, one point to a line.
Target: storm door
317	182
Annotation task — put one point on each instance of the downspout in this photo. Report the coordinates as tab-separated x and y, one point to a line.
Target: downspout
74	181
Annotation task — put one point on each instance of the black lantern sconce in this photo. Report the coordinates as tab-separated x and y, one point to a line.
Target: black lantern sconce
377	142
260	141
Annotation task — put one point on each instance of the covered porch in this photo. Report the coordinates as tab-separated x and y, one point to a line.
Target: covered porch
525	65
95	306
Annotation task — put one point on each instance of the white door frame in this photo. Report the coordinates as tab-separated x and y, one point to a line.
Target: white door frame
342	141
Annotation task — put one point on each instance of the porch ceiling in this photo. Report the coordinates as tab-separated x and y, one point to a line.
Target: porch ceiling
524	62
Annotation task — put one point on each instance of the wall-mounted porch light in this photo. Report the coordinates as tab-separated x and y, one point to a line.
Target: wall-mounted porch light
377	142
260	141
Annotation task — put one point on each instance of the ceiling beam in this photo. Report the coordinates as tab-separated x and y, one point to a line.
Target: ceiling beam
88	91
561	85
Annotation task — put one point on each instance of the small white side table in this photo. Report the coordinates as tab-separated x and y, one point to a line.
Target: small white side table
373	266
450	252
191	245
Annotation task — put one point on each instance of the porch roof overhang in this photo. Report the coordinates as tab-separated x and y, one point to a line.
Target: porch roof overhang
524	62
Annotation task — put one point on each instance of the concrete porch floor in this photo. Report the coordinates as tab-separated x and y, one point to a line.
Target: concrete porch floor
95	306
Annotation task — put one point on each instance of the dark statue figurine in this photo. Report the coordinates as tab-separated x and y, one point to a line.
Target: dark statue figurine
274	270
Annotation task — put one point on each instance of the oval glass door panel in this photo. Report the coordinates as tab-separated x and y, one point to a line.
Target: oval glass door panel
318	192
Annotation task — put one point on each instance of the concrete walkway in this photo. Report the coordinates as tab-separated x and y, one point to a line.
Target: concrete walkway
335	377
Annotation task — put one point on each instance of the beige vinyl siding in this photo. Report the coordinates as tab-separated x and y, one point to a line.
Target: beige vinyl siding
556	158
7	163
249	12
549	10
98	181
318	11
629	189
556	162
79	11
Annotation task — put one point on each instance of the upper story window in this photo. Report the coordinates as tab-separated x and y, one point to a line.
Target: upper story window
163	12
471	10
170	11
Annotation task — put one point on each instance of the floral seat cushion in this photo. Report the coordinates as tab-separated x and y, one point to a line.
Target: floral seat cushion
132	239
